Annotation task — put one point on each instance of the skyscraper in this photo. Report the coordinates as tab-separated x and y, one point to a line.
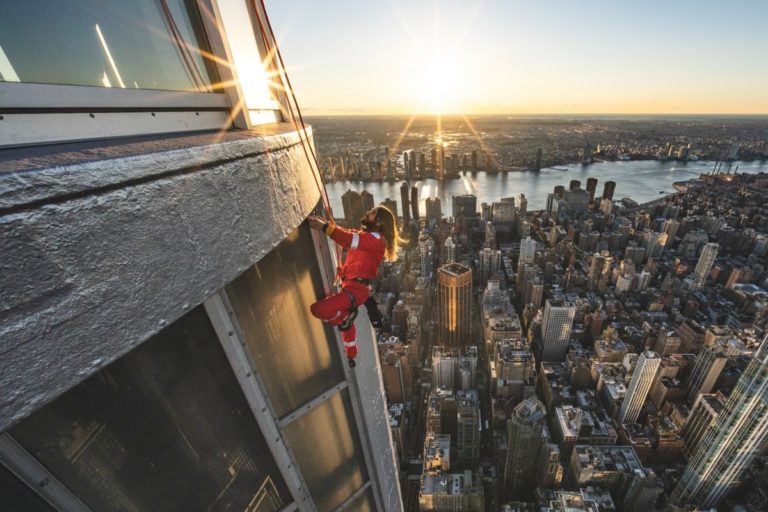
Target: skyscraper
454	302
705	263
730	445
464	206
706	370
525	439
406	204
591	188
415	203
366	199
449	254
556	327
172	373
645	371
352	203
490	262
608	190
434	211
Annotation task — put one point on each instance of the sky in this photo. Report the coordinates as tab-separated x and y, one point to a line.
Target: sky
347	57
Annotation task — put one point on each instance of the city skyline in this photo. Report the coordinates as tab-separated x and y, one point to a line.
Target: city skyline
516	58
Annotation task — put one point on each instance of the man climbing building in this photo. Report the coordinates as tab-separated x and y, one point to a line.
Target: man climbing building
378	239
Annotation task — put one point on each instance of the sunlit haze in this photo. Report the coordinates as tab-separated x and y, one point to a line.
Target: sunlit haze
522	57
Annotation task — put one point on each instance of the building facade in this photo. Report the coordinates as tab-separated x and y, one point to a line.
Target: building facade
454	302
737	436
158	352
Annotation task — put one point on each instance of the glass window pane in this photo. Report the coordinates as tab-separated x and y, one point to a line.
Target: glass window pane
142	44
294	353
164	428
14	495
325	442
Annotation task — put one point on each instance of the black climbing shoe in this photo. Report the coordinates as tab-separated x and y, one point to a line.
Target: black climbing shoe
352	363
375	316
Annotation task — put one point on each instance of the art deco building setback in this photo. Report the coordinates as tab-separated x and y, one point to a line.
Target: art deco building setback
157	348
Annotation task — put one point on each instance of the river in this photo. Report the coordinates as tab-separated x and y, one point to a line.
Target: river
640	180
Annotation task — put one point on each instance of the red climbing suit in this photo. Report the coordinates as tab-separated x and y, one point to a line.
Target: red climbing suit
366	250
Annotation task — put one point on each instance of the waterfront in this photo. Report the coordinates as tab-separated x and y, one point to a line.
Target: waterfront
641	180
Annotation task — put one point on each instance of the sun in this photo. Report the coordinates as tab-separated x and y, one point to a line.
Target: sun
440	86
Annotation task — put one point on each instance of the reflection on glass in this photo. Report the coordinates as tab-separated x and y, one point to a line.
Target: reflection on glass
294	353
14	495
326	446
142	44
164	428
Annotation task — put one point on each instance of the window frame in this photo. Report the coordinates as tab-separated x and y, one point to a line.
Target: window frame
35	114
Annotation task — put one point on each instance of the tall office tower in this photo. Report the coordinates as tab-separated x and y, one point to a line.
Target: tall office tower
367	200
433	158
412	165
406	166
728	448
537	161
415	203
449	254
527	256
422	164
608	189
525	439
433	211
468	425
704	412
352	204
550	473
454	303
474	159
559	191
522	203
591	188
577	201
391	205
706	370
705	263
445	361
406	204
490	263
527	249
426	246
464	206
131	340
642	379
556	325
586	154
574	184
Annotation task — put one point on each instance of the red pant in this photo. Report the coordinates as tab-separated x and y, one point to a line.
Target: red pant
334	309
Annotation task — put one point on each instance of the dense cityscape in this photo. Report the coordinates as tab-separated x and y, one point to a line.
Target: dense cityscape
574	318
594	355
393	147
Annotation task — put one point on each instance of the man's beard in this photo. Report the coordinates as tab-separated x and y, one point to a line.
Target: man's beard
368	225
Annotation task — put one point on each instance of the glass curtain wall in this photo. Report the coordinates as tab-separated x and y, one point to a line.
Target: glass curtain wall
164	428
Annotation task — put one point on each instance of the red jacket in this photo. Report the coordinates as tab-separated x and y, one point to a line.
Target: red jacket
366	250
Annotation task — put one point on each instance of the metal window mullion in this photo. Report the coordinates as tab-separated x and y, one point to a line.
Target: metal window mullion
312	404
352	497
40	481
234	348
